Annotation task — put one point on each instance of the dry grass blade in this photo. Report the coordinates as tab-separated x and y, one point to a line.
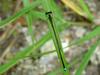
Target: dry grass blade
73	6
8	48
8	32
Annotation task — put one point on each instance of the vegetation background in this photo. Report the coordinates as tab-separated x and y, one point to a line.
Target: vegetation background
29	46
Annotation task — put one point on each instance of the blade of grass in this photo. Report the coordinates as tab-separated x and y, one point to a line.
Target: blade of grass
87	58
29	19
38	55
39	15
86	9
80	9
74	7
94	33
19	14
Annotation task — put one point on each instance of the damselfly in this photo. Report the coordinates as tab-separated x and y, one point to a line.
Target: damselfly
56	40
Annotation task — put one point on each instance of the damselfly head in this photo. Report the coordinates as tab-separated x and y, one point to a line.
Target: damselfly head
47	13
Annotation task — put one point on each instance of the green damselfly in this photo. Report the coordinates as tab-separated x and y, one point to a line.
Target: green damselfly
56	40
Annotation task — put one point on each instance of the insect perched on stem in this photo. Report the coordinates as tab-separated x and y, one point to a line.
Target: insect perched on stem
56	40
